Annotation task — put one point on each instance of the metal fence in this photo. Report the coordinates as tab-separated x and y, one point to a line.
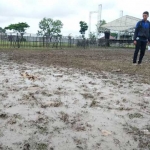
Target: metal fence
29	41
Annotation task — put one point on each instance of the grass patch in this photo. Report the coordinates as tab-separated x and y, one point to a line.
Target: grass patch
42	146
135	115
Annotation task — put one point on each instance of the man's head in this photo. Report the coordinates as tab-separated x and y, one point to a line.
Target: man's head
145	15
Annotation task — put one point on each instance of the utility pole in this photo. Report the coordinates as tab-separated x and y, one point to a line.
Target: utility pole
99	12
91	12
121	15
99	17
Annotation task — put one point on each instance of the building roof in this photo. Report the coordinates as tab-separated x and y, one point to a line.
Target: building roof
122	24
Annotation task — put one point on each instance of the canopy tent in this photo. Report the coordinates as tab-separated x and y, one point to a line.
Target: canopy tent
122	24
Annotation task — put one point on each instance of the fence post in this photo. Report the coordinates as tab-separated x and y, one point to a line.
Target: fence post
73	41
43	41
60	42
18	41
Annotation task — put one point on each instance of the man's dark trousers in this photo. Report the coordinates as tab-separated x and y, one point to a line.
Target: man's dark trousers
141	45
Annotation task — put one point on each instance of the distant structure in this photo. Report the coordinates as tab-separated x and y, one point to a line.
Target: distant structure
99	12
123	26
121	15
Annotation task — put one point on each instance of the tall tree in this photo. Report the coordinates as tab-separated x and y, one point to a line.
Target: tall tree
92	38
19	27
83	28
92	35
2	30
99	28
102	22
50	27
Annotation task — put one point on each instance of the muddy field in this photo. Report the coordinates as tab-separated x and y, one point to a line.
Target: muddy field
74	100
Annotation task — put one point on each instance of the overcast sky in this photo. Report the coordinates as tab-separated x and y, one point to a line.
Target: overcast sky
70	12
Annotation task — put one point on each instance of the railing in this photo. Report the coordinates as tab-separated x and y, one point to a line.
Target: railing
16	41
115	43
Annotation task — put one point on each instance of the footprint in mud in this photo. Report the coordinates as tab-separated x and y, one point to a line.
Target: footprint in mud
79	127
3	115
81	143
26	146
4	94
12	121
135	115
57	103
92	83
87	95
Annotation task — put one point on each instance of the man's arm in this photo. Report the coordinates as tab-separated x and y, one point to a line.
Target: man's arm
136	31
149	39
149	33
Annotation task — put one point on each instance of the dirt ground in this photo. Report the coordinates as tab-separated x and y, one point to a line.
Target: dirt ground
96	60
74	100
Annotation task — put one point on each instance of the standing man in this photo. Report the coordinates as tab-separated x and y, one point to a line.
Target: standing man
141	37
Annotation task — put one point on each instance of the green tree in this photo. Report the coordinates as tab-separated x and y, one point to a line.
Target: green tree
2	30
99	26
50	27
19	27
92	36
83	28
102	22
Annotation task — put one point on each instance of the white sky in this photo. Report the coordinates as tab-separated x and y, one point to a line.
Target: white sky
70	12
